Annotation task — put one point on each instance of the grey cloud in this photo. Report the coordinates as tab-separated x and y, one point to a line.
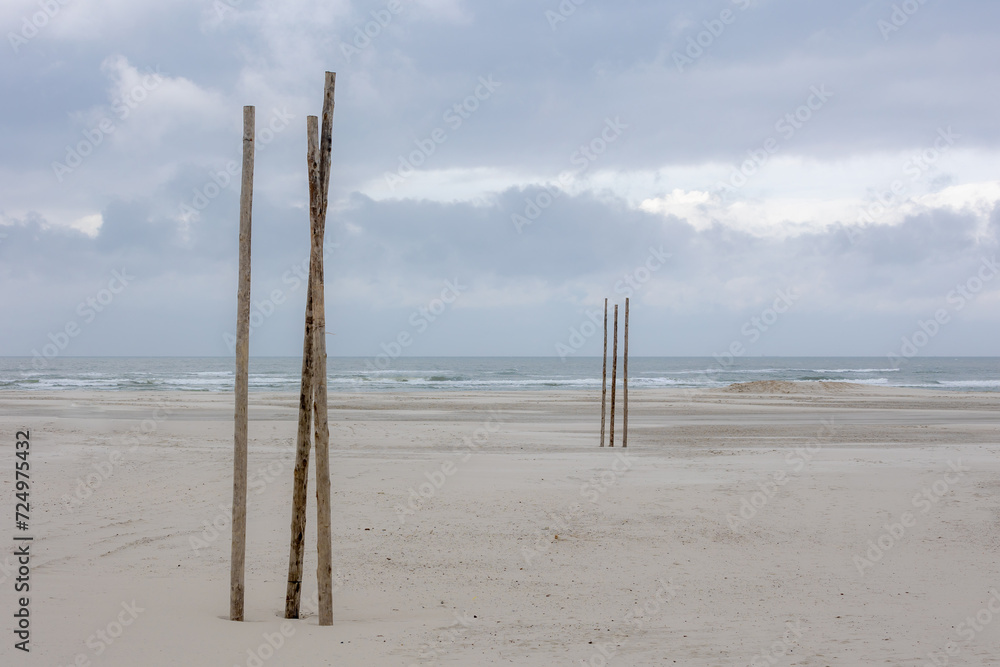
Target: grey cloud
558	87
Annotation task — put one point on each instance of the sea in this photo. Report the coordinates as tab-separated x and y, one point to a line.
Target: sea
488	373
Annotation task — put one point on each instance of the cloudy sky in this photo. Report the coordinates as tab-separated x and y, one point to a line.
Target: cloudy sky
524	159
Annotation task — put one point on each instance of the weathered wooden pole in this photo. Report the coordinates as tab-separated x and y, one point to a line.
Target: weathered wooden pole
604	371
625	382
320	174
614	378
238	555
303	442
313	413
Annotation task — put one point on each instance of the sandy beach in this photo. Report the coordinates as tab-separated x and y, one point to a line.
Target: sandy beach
838	525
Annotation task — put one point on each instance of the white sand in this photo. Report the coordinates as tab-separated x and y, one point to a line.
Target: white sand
483	547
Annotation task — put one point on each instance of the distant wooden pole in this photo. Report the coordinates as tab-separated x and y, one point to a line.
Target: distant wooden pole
625	382
320	175
604	371
238	555
303	442
614	376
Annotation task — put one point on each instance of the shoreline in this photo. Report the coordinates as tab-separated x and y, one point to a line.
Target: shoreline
463	374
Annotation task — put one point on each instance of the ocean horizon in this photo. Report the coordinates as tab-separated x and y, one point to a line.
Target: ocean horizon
490	373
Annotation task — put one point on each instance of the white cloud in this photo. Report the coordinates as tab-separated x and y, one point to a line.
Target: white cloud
147	105
89	224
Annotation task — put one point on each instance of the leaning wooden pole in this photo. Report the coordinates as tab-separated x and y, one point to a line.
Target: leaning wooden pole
625	382
300	481
238	555
604	371
614	379
320	174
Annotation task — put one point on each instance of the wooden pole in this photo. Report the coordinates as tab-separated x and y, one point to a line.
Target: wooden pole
614	376
625	382
321	176
303	442
238	554
604	371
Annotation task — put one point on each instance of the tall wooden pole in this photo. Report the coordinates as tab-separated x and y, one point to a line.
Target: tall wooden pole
303	442
238	555
625	382
604	371
321	176
313	413
614	378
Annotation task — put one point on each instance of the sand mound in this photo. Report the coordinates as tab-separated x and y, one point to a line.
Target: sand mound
783	387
